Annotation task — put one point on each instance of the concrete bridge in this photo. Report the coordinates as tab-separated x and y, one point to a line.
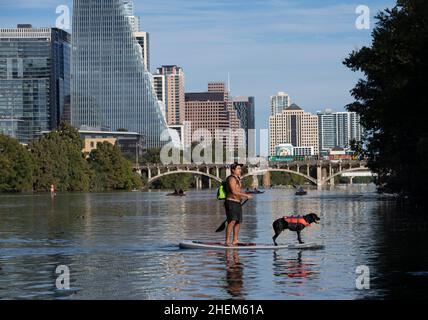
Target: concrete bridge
319	173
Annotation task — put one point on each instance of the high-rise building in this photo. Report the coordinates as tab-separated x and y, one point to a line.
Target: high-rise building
159	84
327	130
245	108
338	129
34	80
175	95
294	126
348	128
111	87
279	102
213	112
143	39
134	21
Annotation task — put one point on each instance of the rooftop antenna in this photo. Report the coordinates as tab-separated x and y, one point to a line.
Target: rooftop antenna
228	81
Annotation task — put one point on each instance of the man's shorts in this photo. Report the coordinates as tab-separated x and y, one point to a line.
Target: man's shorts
233	211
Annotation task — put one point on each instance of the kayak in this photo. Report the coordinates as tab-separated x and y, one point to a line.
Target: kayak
190	244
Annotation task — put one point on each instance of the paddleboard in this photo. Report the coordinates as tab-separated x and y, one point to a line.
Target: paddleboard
189	244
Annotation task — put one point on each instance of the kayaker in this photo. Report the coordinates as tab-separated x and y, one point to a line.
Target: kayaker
234	197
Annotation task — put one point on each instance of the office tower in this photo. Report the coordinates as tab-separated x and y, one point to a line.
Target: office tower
143	39
327	130
348	128
338	129
134	21
295	126
34	80
175	96
279	102
213	112
245	108
159	84
111	87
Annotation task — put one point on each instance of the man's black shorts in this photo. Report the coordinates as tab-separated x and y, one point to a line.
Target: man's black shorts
233	211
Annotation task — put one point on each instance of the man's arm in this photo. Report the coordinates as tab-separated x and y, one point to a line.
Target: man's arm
236	189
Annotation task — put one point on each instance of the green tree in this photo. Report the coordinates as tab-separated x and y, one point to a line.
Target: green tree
111	171
174	181
16	166
59	160
286	179
393	96
151	156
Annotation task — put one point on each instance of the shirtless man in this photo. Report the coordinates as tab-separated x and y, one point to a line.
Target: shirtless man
233	205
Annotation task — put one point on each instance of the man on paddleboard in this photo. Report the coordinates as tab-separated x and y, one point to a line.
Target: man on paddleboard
233	205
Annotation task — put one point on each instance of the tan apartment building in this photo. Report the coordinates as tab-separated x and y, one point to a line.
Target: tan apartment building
293	125
174	82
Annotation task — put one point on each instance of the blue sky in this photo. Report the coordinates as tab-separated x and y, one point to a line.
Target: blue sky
296	46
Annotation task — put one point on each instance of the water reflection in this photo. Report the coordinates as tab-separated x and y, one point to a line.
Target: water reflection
295	268
234	274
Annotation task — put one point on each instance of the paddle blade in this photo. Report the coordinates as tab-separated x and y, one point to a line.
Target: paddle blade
222	227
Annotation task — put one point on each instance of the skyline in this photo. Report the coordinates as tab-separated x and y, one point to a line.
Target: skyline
264	40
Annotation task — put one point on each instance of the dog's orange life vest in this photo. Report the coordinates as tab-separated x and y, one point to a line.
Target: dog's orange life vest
297	220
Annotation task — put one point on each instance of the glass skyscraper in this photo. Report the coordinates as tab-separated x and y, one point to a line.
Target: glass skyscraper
111	88
34	80
338	129
279	102
245	108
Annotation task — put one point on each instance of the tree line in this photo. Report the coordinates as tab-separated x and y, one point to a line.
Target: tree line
57	159
392	98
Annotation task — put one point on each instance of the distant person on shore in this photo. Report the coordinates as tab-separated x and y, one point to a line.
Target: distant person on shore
233	204
53	193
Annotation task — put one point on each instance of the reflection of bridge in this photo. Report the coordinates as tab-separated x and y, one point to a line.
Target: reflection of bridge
317	172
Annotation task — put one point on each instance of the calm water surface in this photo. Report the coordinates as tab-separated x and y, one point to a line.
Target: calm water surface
125	246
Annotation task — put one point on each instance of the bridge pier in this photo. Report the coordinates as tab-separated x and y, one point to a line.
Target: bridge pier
319	177
198	182
255	182
266	180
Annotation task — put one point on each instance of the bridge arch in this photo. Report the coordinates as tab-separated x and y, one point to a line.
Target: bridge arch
345	171
261	172
155	178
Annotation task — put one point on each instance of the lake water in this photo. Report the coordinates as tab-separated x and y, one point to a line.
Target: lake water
125	246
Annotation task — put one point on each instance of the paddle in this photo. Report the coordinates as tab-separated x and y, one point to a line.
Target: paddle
223	225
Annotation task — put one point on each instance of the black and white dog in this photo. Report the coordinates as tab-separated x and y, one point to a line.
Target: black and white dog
296	224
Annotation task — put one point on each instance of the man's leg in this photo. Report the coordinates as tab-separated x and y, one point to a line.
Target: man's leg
230	227
236	233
